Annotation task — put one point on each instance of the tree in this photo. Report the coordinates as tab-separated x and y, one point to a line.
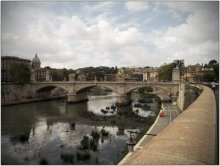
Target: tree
216	71
208	77
47	67
20	73
165	72
179	63
212	63
54	74
215	65
116	70
65	74
98	72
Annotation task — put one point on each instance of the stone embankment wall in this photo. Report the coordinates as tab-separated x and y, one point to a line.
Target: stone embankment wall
181	96
190	139
186	95
16	94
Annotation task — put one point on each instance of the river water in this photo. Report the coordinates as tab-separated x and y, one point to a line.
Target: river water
42	132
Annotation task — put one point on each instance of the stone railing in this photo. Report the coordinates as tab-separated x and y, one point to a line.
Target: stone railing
190	139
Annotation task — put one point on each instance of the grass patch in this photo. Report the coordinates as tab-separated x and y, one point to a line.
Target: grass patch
124	152
43	161
150	121
148	100
83	155
197	91
67	157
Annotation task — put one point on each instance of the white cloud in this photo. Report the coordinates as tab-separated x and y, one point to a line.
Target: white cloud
76	42
195	41
100	36
106	37
136	6
193	30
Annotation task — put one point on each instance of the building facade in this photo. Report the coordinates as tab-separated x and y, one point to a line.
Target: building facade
110	77
7	62
195	73
37	73
82	77
150	74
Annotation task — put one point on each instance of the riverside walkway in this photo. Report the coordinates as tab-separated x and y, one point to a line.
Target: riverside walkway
189	139
171	112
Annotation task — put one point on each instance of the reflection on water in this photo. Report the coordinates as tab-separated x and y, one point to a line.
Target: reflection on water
97	104
50	142
142	109
52	132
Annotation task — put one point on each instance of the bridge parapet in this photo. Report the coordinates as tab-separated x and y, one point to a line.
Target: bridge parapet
189	140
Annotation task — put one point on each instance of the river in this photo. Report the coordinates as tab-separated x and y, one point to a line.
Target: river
51	132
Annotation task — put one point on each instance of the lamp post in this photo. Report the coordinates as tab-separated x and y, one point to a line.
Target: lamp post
131	142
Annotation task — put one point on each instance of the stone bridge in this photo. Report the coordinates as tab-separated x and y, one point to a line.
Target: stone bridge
77	91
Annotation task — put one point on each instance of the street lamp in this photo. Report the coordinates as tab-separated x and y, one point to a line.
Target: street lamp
131	143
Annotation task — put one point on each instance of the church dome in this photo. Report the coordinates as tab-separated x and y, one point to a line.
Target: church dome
36	62
36	59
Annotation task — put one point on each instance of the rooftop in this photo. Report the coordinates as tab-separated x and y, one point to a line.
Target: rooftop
15	58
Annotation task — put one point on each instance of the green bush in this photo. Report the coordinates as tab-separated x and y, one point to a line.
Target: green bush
67	157
85	143
95	135
44	161
83	155
104	132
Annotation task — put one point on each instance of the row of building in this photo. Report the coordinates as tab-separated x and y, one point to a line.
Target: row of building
192	73
37	73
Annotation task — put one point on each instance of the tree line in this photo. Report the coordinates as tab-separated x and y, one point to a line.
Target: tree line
89	72
21	73
165	71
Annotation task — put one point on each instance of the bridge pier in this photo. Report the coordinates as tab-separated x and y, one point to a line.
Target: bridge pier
77	98
174	99
181	96
123	100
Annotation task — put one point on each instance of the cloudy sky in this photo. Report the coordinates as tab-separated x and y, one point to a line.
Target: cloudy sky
80	34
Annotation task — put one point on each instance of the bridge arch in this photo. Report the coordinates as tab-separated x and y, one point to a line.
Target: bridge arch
92	86
143	86
50	87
